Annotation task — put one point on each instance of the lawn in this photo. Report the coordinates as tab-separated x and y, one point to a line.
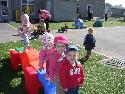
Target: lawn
99	79
57	25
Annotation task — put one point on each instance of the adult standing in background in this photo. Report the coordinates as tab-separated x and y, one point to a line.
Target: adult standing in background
106	16
106	13
44	14
89	13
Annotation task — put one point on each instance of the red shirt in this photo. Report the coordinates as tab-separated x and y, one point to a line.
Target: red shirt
71	76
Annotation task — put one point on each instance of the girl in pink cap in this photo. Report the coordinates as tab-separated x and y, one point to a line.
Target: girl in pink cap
56	58
46	46
44	14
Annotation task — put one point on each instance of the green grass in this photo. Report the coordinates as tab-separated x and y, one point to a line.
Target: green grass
99	79
113	23
57	25
12	82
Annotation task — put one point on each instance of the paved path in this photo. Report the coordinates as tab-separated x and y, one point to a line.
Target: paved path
110	40
8	34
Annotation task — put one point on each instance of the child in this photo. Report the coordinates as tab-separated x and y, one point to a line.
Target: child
24	30
47	45
40	29
44	14
71	73
56	58
89	42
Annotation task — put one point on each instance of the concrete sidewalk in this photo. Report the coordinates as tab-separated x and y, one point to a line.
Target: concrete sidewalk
8	34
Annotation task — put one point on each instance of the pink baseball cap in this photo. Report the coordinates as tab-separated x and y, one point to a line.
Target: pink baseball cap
61	39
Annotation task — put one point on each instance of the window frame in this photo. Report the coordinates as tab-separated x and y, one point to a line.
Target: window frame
27	5
2	8
7	3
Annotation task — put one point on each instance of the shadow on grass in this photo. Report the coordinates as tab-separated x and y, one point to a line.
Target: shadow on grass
11	82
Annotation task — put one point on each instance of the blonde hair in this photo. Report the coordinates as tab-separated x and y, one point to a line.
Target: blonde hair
25	16
90	29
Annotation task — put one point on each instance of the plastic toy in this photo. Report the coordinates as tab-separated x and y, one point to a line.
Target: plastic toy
15	60
29	58
98	22
79	24
49	88
63	29
32	83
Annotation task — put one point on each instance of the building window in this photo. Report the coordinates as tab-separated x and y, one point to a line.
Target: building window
4	12
4	3
28	6
4	7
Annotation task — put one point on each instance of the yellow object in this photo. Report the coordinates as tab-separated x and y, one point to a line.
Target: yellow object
17	15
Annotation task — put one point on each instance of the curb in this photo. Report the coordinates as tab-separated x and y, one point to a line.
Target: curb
12	27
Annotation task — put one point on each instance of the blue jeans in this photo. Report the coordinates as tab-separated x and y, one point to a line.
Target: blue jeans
73	91
26	41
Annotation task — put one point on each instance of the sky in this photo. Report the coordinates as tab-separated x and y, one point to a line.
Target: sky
116	2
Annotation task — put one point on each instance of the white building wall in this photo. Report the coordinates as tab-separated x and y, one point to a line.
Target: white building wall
65	10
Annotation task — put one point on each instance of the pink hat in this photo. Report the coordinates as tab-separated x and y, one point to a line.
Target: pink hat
47	38
61	39
43	11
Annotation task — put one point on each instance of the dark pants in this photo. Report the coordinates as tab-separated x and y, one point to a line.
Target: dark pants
106	17
88	51
73	91
37	33
90	16
88	54
47	23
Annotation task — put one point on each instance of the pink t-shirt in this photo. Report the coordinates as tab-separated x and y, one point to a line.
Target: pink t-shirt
55	61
